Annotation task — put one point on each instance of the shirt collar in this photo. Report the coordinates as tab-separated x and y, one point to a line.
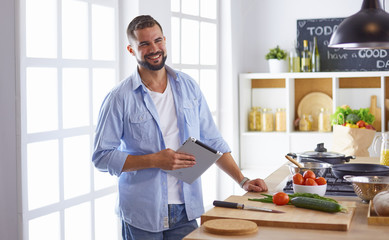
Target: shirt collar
138	81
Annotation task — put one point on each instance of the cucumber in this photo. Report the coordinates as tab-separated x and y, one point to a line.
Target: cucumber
316	204
311	195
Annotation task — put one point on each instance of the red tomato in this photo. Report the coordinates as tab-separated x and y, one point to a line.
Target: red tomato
303	182
361	124
298	179
280	198
309	174
321	181
310	182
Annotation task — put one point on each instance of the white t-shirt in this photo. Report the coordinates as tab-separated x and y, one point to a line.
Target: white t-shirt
168	119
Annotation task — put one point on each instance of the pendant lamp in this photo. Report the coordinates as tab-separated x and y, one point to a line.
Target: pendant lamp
368	28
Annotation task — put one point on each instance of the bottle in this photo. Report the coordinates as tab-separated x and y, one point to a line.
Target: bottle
280	120
294	59
255	119
305	123
324	120
384	156
315	57
267	120
305	58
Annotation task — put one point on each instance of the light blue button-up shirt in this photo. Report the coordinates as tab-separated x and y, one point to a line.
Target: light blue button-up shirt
129	124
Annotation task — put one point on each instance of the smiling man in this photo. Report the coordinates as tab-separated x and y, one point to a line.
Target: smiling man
141	123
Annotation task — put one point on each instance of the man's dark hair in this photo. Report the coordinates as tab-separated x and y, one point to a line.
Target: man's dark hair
140	22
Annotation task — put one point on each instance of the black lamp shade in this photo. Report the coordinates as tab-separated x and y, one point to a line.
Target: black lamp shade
368	28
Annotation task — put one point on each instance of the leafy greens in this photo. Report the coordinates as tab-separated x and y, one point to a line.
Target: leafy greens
341	113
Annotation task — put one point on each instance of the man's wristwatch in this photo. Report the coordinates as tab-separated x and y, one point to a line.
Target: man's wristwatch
244	180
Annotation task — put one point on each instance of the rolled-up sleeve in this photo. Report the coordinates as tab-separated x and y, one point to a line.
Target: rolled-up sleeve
107	157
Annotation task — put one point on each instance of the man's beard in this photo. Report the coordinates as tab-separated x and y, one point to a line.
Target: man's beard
149	66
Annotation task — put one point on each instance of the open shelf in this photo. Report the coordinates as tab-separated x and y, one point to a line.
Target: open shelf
286	90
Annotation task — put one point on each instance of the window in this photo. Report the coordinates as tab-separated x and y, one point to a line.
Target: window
194	29
68	62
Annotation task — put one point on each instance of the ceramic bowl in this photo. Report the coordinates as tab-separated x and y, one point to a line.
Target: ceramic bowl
320	189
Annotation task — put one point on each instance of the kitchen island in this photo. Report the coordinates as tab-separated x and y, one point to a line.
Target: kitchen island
359	227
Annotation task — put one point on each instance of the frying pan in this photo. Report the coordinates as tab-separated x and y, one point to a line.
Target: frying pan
359	169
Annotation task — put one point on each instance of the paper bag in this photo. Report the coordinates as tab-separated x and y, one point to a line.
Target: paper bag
352	141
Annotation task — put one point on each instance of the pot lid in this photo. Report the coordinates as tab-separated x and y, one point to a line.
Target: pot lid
313	154
321	152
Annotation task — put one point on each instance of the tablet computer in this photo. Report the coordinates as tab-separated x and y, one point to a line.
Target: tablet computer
205	157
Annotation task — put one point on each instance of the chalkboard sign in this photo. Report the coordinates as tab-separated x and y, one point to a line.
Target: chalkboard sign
337	59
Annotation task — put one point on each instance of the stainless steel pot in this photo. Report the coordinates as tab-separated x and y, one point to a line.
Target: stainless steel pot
321	155
320	169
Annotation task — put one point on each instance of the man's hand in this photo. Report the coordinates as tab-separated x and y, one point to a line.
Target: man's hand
228	165
166	159
171	160
256	185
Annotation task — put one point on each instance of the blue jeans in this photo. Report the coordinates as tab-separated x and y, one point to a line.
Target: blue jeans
179	227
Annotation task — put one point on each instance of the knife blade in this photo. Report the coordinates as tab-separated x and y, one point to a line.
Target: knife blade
217	203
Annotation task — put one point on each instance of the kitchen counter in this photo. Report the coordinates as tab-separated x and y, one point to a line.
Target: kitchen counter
359	228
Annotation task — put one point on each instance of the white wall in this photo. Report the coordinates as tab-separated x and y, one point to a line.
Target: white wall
127	11
8	142
263	24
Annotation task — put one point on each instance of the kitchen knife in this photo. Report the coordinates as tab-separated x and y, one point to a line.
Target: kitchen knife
242	206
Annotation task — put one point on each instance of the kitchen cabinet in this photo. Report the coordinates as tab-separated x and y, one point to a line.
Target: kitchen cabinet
286	90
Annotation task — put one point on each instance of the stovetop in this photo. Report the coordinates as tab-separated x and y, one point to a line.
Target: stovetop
335	186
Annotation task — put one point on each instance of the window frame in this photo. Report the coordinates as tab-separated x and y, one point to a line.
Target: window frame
25	138
200	66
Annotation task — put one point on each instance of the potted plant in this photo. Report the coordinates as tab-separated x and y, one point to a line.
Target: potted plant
277	60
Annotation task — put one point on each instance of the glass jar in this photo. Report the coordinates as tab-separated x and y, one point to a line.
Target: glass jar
280	120
324	120
255	119
305	123
267	120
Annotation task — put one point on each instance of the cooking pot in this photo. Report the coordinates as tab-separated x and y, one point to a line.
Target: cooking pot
320	169
320	154
359	169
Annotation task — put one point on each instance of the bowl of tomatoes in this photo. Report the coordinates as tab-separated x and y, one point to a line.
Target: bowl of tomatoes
308	182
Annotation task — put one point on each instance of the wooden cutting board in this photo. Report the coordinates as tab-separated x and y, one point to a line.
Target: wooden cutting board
376	112
230	227
292	218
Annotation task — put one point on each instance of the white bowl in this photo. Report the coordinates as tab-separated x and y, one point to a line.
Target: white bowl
320	189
